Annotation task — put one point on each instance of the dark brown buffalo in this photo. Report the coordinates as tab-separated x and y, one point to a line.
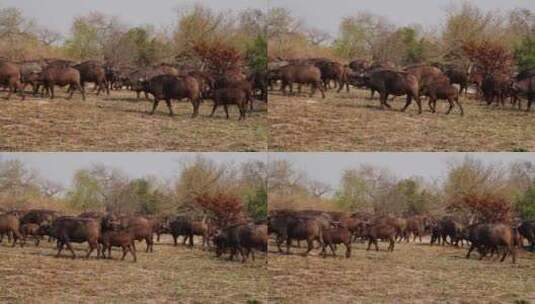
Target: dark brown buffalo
242	238
61	63
92	214
337	233
388	82
10	77
122	238
229	96
415	227
158	225
456	76
202	229
206	82
495	88
301	74
380	230
10	224
426	75
141	229
93	71
168	87
30	74
61	76
525	86
491	237
447	227
442	89
136	80
360	65
181	226
39	216
527	230
399	224
68	229
31	230
290	227
331	71
259	82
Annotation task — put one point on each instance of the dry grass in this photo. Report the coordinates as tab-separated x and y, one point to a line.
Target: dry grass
352	122
120	123
413	273
168	275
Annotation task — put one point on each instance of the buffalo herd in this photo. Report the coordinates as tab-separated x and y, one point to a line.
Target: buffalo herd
102	231
434	81
235	86
329	229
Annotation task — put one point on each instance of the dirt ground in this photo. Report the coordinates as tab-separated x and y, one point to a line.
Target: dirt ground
168	275
352	122
413	273
119	122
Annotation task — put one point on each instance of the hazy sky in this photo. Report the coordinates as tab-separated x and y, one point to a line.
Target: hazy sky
60	167
328	167
58	14
325	167
326	14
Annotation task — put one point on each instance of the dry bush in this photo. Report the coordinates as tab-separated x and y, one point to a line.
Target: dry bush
491	56
486	209
226	209
299	202
299	48
38	203
217	55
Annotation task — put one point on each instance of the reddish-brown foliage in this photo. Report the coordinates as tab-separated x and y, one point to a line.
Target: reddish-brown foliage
487	209
491	56
217	55
225	208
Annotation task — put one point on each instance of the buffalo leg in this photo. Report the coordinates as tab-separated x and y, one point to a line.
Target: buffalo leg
450	101
460	106
470	251
82	91
310	245
154	105
133	252
333	249
124	253
60	246
69	246
168	102
225	106
213	109
196	104
51	90
407	104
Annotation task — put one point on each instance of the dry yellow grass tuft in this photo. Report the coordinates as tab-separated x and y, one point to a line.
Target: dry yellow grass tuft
168	275
413	273
121	123
352	122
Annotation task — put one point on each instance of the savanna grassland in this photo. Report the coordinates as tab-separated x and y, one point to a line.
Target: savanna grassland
413	273
168	275
353	122
119	122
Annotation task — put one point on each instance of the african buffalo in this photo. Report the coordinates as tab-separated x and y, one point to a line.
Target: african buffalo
168	87
10	76
494	237
10	224
301	74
